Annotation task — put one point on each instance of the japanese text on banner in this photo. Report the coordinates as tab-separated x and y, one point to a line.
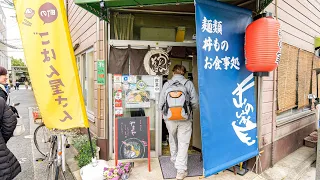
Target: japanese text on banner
215	27
51	63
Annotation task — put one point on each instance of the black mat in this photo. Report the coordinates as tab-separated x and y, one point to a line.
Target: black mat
195	167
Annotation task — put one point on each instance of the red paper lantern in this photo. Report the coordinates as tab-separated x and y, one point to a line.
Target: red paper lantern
263	44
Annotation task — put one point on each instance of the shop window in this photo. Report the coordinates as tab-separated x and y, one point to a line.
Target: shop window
78	64
136	97
296	81
304	77
85	64
152	27
287	79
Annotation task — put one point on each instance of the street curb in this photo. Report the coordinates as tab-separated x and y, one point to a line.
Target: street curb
72	163
298	172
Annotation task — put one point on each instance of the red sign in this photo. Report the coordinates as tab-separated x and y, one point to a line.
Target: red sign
118	103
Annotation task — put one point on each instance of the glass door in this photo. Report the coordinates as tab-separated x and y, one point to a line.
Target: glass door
132	96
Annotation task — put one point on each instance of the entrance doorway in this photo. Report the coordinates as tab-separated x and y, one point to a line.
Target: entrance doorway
158	128
190	63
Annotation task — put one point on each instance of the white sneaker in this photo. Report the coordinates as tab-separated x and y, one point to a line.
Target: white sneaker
181	175
173	160
165	143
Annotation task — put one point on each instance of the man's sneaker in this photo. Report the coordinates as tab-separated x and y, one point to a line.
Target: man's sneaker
165	143
181	175
173	160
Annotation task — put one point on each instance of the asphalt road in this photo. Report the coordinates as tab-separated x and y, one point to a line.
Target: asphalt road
22	146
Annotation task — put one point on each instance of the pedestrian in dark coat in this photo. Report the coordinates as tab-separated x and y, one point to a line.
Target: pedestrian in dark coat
3	92
3	82
9	165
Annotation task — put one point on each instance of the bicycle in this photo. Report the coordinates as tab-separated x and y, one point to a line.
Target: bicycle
43	141
52	146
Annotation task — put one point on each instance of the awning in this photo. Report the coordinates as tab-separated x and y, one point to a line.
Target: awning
93	6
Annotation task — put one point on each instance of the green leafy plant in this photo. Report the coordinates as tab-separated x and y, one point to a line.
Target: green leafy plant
82	145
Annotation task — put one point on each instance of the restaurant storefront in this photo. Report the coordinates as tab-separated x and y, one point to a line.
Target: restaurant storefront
136	33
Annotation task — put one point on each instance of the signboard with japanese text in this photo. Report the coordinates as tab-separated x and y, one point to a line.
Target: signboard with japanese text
157	85
101	72
132	137
226	87
51	62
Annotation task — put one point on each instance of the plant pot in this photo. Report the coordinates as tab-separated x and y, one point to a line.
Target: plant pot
97	152
125	176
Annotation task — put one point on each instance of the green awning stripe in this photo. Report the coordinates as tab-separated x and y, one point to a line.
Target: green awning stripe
93	6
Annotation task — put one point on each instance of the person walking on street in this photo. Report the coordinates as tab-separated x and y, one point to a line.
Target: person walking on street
14	84
9	165
178	99
26	84
17	84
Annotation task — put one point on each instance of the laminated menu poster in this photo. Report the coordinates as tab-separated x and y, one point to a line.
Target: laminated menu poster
132	138
137	99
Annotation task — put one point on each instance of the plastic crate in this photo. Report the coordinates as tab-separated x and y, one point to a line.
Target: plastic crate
37	118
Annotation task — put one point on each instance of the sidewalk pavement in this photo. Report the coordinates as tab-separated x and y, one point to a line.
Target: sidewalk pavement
295	166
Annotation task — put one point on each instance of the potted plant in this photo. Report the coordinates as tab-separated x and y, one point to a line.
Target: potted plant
125	169
82	145
121	171
112	173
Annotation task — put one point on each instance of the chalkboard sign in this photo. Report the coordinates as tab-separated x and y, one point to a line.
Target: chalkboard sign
132	138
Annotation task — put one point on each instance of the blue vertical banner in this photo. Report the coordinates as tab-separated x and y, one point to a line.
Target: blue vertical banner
226	87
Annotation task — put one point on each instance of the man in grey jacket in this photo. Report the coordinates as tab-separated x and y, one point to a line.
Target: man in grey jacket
179	130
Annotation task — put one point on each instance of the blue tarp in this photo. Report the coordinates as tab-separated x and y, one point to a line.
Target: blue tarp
226	87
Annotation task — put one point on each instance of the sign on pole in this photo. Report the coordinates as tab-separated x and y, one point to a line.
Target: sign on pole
101	72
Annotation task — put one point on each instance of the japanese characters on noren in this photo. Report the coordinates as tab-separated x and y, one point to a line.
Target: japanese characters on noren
243	124
215	27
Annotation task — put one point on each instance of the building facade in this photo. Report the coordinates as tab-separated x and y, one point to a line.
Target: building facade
286	115
4	59
87	33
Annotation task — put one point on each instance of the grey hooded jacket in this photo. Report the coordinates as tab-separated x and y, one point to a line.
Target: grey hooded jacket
190	88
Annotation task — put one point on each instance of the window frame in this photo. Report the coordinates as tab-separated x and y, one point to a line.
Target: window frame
81	69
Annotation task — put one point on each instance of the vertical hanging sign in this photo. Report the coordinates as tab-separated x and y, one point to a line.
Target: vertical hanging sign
51	62
101	72
227	103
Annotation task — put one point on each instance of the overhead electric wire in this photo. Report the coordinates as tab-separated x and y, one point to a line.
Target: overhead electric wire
10	46
7	7
11	50
9	3
4	54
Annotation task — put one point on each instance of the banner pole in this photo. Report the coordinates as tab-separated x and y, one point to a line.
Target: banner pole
92	151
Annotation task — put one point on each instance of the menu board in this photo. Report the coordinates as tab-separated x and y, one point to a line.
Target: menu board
132	138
